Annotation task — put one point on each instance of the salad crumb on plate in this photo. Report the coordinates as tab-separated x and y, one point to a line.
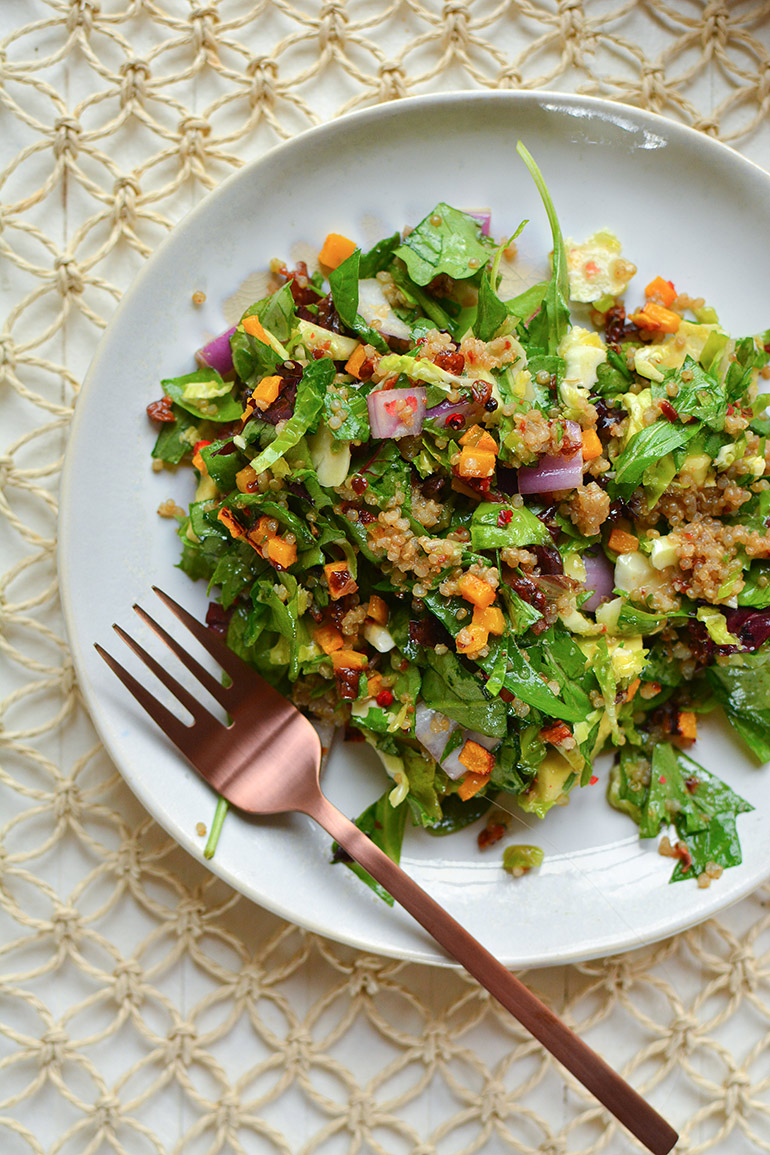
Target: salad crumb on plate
492	537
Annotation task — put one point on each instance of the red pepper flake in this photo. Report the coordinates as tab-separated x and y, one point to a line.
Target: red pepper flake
200	445
593	780
384	698
160	411
504	517
455	421
662	780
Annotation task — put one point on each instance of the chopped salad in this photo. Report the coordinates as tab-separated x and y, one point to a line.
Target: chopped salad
489	540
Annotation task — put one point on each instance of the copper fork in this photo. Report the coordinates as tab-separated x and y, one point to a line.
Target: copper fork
238	761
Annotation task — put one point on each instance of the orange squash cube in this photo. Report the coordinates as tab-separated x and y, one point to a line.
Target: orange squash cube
471	784
349	660
355	361
663	291
476	590
592	446
377	610
280	552
475	462
245	479
477	758
656	318
489	618
328	637
335	250
621	542
266	392
471	640
339	580
254	327
479	438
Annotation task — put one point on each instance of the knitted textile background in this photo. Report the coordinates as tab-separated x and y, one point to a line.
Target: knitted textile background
144	1007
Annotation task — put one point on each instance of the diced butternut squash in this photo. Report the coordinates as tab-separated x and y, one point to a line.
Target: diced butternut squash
374	684
662	291
255	328
471	640
471	784
339	580
265	528
377	610
592	446
328	637
349	660
490	618
476	462
656	319
335	250
475	590
246	479
687	725
355	361
228	519
479	438
476	758
622	542
266	392
280	552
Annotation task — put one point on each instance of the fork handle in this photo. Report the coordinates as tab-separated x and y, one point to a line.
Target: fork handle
583	1062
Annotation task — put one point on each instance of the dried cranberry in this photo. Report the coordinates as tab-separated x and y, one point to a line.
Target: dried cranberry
481	391
491	834
615	324
504	517
668	410
549	559
359	484
160	411
217	618
450	360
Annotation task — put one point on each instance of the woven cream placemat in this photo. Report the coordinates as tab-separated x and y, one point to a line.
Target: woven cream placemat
144	1007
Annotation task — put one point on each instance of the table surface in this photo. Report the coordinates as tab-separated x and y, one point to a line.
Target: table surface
144	1006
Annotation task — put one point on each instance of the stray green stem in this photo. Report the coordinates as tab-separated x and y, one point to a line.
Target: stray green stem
216	827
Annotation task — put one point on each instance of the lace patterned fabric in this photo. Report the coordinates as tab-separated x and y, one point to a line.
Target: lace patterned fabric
144	1006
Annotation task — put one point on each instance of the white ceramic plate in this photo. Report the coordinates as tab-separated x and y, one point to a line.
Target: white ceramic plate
685	207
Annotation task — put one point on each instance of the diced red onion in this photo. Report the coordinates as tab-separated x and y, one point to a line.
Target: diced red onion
439	413
557	472
396	412
433	730
377	311
751	627
217	354
484	217
600	579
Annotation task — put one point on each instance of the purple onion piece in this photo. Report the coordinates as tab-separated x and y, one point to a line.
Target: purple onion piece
554	472
439	413
484	217
600	579
396	413
216	354
752	627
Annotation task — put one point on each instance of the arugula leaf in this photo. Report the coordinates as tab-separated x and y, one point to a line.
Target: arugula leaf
491	312
204	394
379	256
552	322
526	304
422	300
343	282
699	394
307	408
176	438
644	449
523	680
252	358
741	373
456	814
448	687
743	691
754	594
446	241
222	466
489	531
